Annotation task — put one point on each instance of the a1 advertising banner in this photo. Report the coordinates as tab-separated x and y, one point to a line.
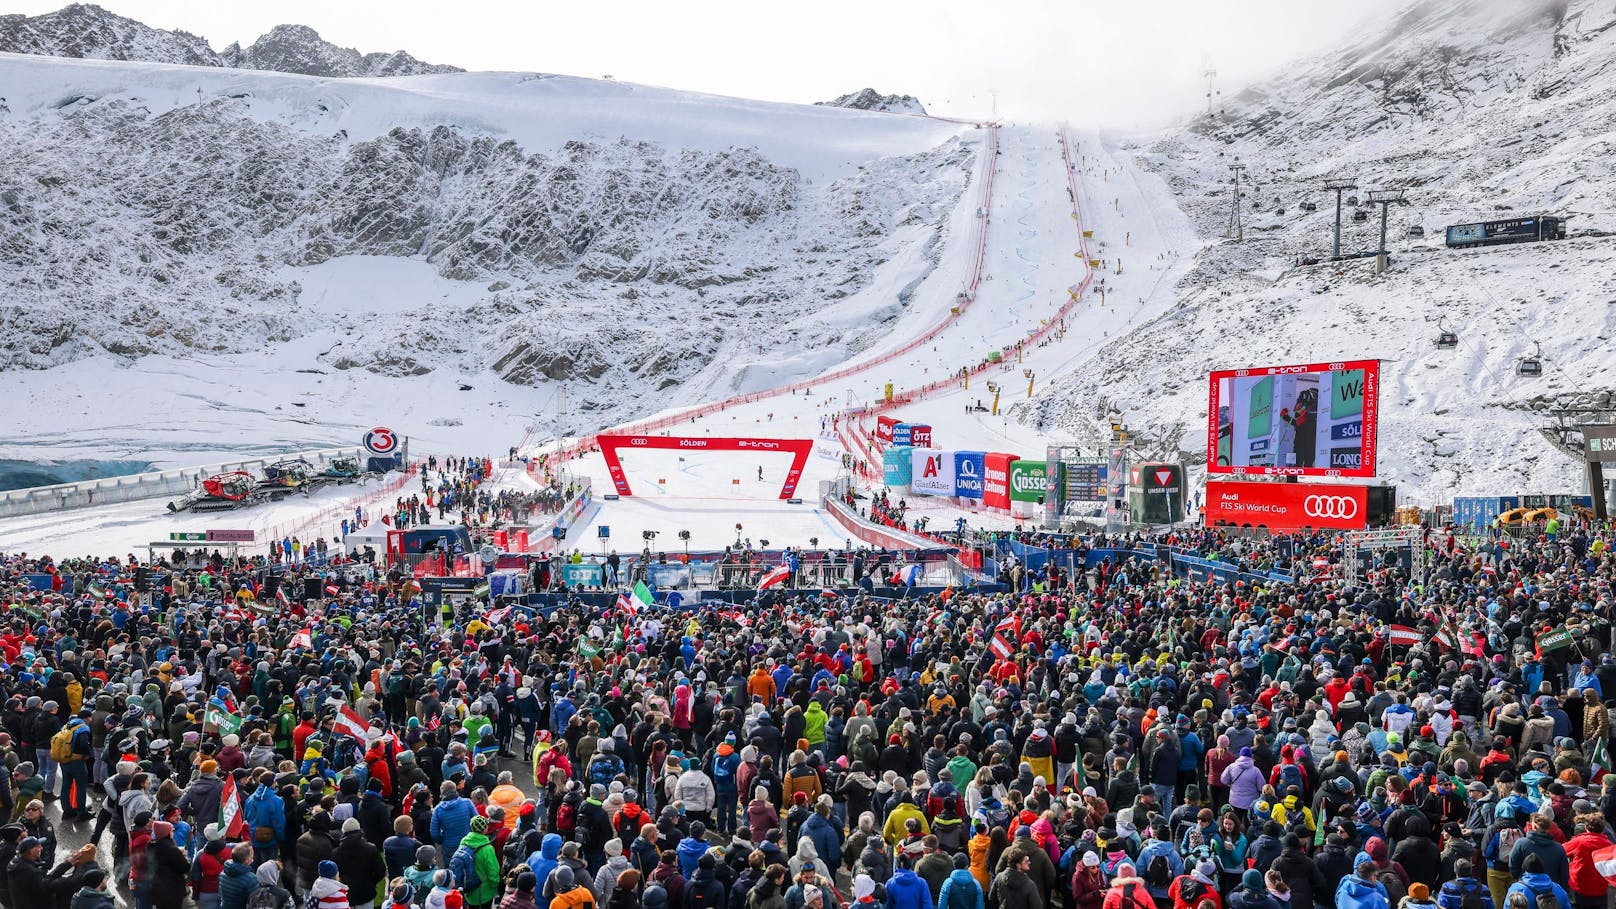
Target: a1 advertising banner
970	468
1313	419
883	428
996	479
933	472
1027	480
896	466
920	435
1286	506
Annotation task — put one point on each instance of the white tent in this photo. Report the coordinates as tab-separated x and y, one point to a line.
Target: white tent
373	535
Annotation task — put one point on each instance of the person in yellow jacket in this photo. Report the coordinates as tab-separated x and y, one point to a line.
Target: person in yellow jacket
895	831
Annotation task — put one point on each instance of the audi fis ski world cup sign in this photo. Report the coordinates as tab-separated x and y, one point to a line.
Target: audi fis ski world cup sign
1287	506
1316	419
381	442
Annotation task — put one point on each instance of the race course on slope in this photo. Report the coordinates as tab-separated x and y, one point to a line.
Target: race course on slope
1031	265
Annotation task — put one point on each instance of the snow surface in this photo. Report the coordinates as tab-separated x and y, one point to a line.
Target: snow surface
1511	115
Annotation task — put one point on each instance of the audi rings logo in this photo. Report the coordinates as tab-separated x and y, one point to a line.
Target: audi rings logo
1342	507
638	441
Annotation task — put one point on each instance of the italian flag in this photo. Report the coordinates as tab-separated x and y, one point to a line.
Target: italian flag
348	722
632	601
1446	636
230	818
281	597
1598	759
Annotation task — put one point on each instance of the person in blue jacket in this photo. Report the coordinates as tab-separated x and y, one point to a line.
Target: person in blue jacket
1452	895
451	820
692	848
961	890
545	861
264	808
1535	882
1360	890
908	890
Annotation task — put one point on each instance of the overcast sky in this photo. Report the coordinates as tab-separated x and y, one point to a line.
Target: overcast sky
1119	63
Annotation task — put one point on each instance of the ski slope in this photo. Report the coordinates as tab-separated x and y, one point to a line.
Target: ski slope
1031	263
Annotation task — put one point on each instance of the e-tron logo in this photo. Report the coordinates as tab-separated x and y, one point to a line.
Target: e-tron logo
1342	507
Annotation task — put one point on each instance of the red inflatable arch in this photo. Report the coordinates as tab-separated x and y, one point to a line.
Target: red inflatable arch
799	448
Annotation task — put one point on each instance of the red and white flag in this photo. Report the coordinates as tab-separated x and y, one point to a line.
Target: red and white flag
775	578
348	722
303	639
1403	636
230	817
1605	862
1005	634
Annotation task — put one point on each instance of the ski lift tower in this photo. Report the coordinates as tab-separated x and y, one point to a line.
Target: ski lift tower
1236	231
1338	187
1384	198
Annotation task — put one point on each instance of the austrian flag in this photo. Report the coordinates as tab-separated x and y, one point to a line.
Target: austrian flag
1402	636
1004	638
775	578
347	722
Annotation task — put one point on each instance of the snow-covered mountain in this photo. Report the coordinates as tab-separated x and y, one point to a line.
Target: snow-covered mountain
1477	109
870	99
479	227
90	32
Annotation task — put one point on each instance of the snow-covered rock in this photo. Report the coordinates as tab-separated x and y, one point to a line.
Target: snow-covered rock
90	32
1478	110
172	211
870	99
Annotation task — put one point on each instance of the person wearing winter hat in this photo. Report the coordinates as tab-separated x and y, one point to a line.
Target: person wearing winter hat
327	891
568	895
475	866
1419	897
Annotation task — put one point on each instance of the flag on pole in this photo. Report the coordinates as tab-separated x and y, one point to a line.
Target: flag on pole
227	722
1598	759
1402	635
230	817
1447	637
281	597
1004	636
94	590
775	578
348	722
631	601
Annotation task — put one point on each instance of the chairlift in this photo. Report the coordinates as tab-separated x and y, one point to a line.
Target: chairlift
1352	200
1360	215
1446	340
1416	232
1310	206
1280	211
1531	366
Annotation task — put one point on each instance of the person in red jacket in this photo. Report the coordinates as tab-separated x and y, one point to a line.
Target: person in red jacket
376	765
1588	886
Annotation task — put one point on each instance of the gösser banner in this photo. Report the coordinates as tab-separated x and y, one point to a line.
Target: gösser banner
1286	506
933	472
1316	419
1027	480
799	448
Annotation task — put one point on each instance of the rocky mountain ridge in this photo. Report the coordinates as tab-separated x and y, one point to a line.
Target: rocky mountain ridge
88	31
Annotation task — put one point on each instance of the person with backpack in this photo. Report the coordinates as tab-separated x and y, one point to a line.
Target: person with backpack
475	866
1539	841
1161	863
1188	890
1127	890
703	890
1537	886
961	891
1464	891
270	894
237	882
1508	829
726	764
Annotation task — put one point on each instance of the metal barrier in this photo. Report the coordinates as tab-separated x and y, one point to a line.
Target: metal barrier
133	488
